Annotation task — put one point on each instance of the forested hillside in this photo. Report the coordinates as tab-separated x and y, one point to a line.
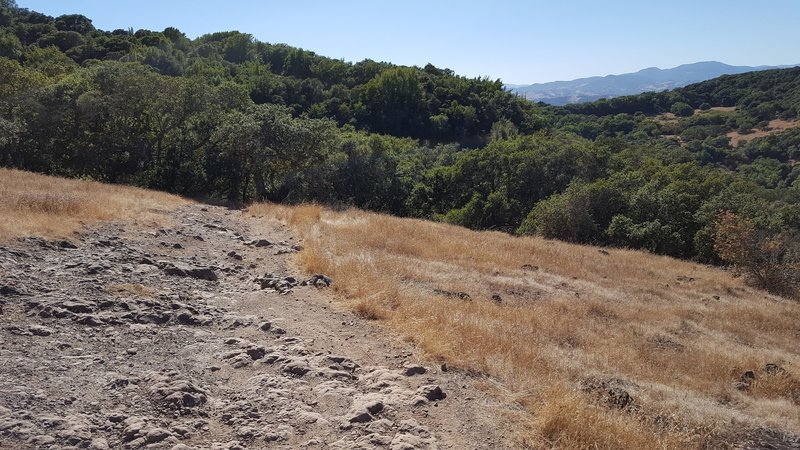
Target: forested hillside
225	116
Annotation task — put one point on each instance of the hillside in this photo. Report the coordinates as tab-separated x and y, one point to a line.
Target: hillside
424	103
651	79
175	334
430	336
56	207
606	349
228	118
222	243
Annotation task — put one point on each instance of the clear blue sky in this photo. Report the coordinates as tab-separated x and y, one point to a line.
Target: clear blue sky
517	41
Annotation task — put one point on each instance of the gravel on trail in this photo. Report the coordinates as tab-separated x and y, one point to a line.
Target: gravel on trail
203	336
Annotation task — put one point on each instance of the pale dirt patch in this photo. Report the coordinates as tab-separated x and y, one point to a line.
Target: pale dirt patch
666	118
775	126
669	117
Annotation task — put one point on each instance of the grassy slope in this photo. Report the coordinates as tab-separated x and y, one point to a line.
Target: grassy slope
674	334
32	204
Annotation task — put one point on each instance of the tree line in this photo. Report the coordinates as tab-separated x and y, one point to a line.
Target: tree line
225	116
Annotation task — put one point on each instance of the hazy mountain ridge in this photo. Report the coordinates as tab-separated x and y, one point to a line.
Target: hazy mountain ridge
646	80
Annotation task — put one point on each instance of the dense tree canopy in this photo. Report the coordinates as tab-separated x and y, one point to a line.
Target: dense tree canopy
227	116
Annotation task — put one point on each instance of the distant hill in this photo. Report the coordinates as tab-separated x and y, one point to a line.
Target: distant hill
645	80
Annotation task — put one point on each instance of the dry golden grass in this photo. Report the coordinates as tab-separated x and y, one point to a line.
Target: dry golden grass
667	117
728	109
677	335
33	204
775	126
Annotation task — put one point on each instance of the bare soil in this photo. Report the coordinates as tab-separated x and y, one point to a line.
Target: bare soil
128	337
775	126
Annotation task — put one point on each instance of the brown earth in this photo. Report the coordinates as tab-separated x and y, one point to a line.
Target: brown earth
135	337
775	126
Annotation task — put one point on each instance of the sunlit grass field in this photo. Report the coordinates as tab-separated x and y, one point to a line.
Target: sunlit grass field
569	330
33	204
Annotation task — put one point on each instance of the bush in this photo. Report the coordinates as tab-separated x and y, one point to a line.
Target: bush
681	109
579	214
705	106
651	235
769	261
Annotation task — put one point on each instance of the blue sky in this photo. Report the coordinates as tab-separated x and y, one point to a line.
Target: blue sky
517	41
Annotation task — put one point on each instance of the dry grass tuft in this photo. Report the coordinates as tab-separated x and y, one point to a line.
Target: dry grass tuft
543	317
566	419
33	204
369	310
305	215
780	385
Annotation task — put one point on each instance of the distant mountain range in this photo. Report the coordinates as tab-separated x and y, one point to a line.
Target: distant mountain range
645	80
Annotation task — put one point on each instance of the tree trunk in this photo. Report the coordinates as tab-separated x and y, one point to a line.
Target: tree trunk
261	190
245	183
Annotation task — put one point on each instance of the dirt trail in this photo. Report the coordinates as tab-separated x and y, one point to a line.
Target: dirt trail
204	336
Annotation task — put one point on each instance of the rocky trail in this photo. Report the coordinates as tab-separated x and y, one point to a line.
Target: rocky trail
204	336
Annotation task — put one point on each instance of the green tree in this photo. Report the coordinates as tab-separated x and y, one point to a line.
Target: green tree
681	109
579	214
50	61
298	63
267	145
394	100
165	61
74	22
64	40
10	46
238	48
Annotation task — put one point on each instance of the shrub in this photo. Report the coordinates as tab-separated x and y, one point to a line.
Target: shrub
681	109
770	261
579	214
